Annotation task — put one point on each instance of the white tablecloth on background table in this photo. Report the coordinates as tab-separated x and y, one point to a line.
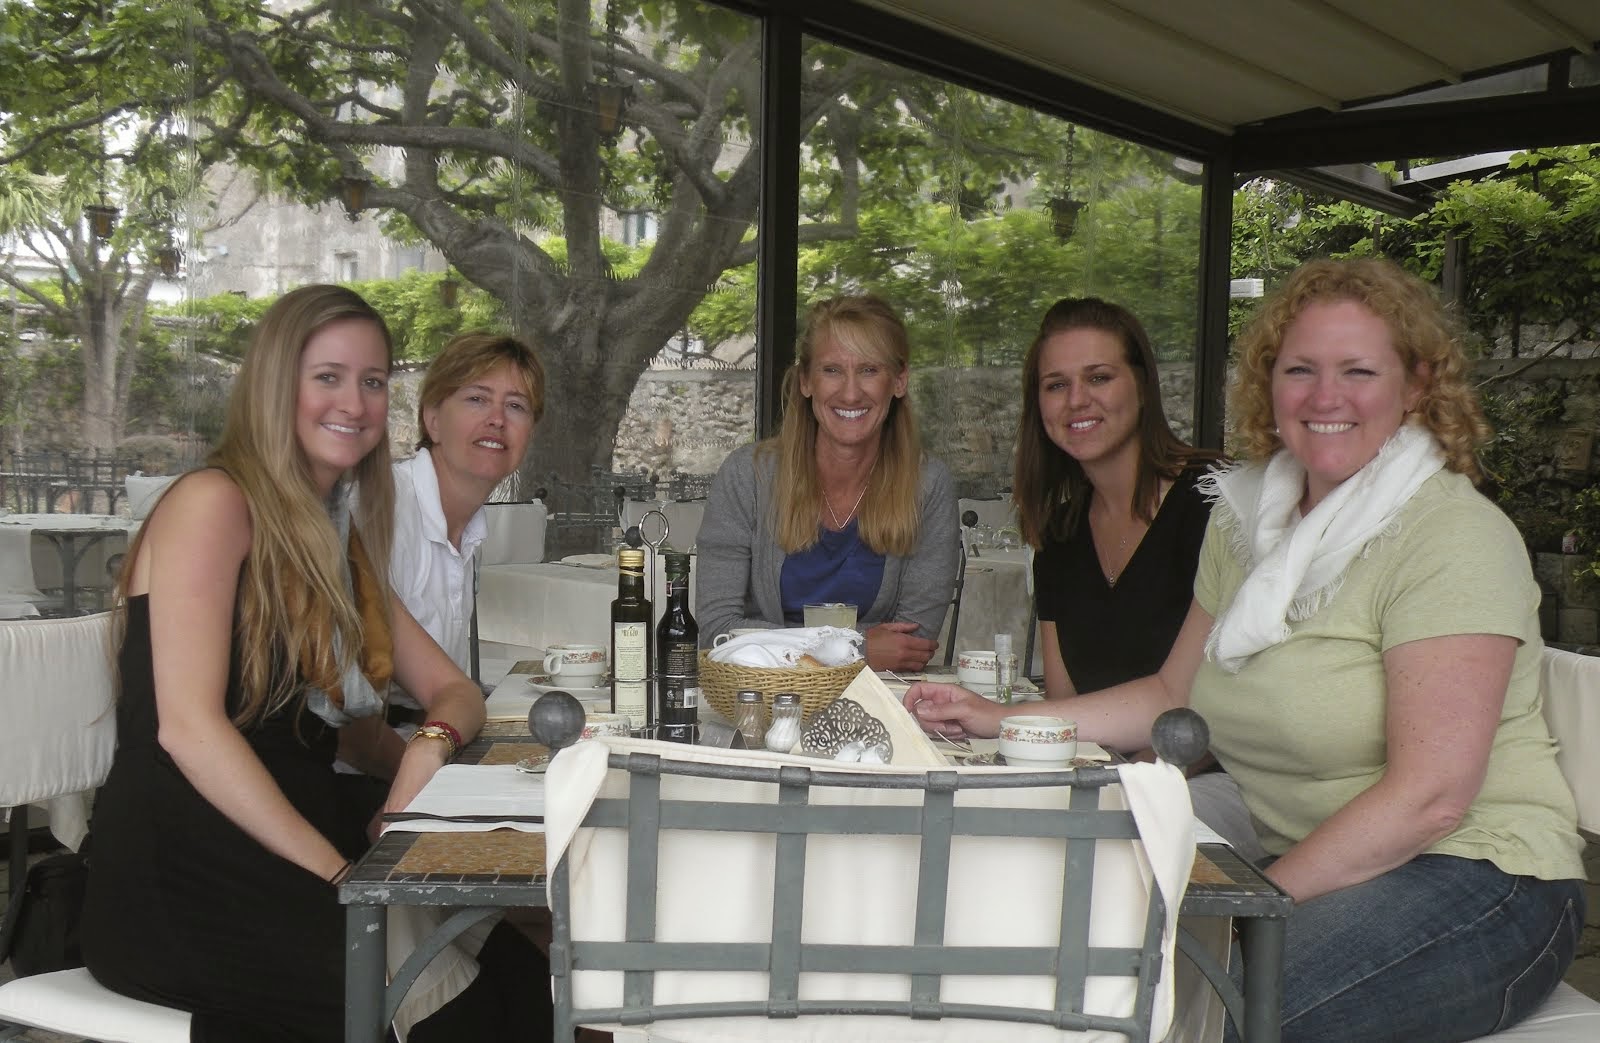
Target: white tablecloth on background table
538	605
516	533
683	517
45	560
996	600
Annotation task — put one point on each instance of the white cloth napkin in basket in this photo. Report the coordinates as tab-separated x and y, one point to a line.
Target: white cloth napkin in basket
830	646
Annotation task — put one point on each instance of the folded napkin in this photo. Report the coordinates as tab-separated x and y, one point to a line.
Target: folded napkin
830	646
465	798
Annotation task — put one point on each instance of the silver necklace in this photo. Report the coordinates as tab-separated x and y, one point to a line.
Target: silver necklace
1111	575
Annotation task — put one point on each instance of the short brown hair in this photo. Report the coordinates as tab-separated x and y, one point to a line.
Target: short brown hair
468	357
1424	336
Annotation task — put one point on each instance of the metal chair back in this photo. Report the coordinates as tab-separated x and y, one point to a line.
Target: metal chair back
815	804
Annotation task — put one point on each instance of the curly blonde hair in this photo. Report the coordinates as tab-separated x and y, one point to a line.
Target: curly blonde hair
1424	336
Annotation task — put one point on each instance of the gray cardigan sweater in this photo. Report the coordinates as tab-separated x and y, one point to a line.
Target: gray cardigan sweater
740	563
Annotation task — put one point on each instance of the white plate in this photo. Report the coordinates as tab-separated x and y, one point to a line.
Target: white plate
542	683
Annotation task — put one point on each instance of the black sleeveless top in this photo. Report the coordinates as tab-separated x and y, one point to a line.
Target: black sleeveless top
186	909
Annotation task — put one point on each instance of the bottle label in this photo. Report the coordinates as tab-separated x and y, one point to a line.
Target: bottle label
679	696
629	651
630	666
631	698
678	658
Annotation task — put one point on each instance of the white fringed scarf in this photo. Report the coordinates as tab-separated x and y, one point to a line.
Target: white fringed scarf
1296	565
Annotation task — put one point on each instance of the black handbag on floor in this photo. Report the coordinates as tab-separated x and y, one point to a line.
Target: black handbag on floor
46	937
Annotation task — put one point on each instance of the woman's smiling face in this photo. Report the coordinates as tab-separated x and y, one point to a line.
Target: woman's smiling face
850	393
1088	394
1339	392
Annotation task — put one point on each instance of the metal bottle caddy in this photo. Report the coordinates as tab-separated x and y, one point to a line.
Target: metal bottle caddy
634	536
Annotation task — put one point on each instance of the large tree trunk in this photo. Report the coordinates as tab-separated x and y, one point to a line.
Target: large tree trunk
100	346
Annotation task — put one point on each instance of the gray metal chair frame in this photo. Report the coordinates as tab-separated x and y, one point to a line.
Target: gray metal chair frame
793	818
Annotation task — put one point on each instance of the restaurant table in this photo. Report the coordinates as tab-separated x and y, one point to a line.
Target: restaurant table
72	535
478	873
535	605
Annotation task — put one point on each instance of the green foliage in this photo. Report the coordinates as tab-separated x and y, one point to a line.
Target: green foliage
1518	462
1586	527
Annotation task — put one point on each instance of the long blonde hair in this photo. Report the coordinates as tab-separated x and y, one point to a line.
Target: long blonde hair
1424	336
293	578
889	517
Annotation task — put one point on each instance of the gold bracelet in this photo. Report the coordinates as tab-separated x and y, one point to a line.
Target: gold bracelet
344	871
433	731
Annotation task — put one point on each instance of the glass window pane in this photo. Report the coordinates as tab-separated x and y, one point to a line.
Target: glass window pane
972	216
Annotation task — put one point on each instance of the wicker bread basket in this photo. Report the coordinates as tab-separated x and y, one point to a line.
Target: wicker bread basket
721	683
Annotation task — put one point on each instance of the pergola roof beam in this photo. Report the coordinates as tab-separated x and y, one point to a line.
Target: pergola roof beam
1537	14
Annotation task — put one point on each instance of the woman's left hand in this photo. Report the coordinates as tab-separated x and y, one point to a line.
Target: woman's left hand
954	711
422	759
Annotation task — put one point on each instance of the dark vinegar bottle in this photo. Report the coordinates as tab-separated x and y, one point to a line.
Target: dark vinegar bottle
677	658
630	641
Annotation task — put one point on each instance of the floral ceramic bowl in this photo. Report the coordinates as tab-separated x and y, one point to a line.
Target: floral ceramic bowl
1038	742
975	667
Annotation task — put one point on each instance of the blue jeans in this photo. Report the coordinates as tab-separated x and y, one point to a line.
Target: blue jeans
1439	949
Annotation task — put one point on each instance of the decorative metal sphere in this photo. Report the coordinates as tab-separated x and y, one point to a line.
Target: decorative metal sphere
556	720
1180	736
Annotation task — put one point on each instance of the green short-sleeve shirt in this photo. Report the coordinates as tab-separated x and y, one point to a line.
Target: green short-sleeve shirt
1301	725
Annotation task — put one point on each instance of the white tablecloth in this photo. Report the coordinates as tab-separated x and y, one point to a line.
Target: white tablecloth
682	516
44	560
537	605
996	600
516	533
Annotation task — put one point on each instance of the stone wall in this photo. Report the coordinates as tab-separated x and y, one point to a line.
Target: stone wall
688	420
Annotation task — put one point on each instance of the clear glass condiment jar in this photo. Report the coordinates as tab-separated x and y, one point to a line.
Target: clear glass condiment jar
750	719
783	734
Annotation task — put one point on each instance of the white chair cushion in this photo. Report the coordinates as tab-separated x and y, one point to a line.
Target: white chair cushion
74	1003
1568	1016
60	729
1571	685
56	700
143	491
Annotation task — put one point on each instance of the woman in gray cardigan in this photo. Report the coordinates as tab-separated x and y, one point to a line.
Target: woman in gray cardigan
842	505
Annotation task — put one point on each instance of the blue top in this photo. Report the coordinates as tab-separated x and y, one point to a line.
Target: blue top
838	567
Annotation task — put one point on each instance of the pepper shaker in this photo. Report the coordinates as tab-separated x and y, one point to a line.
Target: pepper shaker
750	719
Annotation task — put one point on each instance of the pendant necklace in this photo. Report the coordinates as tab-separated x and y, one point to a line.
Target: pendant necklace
1112	574
837	524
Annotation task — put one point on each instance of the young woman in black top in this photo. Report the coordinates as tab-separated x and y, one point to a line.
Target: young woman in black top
1105	492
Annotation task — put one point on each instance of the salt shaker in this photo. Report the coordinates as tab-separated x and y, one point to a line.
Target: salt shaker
1005	668
749	719
783	734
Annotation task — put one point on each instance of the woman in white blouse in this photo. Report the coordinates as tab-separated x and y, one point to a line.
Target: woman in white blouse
479	402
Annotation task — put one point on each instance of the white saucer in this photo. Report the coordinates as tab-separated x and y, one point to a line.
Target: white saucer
542	683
